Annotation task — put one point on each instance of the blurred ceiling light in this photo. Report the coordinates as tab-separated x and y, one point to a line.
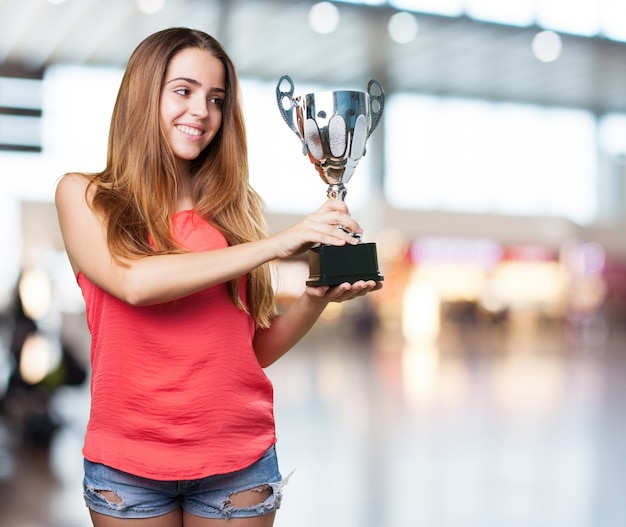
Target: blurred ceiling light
35	359
150	6
582	258
402	27
594	258
547	46
324	17
516	283
35	293
56	2
455	282
579	17
420	313
483	252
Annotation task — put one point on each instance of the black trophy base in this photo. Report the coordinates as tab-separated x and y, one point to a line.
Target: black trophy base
334	265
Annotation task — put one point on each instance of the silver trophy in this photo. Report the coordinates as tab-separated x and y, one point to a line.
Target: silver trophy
333	127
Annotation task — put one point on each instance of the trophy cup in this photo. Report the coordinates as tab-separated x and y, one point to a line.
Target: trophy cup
333	127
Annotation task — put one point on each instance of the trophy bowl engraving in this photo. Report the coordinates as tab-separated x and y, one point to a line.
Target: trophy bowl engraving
333	127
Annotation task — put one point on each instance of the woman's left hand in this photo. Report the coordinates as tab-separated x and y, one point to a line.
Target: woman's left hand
343	292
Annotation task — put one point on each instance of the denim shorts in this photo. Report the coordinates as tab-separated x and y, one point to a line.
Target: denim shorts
138	497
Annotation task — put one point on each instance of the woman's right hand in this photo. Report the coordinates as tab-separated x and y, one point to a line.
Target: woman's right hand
331	224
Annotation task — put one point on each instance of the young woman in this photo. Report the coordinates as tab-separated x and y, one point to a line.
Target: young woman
170	249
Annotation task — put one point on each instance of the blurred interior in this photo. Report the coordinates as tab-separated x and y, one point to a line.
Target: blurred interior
483	385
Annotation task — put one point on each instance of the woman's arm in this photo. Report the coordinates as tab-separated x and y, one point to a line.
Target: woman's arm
161	278
288	328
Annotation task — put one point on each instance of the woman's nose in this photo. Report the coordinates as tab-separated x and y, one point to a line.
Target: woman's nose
199	107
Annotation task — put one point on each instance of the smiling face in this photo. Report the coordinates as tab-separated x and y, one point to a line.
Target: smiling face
191	101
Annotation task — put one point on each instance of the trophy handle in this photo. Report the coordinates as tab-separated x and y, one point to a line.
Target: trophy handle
377	104
287	113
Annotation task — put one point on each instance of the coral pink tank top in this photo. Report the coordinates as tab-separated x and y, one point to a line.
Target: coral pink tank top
176	390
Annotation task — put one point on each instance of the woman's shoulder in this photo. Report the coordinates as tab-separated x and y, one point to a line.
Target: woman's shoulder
75	178
72	182
73	189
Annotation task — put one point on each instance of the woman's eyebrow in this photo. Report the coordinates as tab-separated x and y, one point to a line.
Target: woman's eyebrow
186	79
195	83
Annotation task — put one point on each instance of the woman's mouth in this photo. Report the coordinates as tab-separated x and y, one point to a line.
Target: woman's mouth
189	130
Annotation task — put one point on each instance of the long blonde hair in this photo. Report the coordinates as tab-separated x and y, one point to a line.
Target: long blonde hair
136	193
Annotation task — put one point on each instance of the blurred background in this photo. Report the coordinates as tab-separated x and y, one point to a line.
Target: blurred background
484	384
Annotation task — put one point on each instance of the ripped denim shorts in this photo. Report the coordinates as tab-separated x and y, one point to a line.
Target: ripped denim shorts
115	493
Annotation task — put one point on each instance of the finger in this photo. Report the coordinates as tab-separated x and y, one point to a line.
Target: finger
338	220
331	235
337	213
335	204
358	289
342	292
369	285
317	291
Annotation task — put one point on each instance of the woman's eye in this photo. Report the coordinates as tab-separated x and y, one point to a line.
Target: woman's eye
218	101
182	91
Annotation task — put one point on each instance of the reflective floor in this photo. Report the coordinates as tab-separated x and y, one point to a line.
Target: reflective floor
522	424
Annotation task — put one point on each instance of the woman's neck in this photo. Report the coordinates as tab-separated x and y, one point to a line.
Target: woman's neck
184	199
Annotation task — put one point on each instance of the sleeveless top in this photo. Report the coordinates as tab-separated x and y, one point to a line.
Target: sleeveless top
176	389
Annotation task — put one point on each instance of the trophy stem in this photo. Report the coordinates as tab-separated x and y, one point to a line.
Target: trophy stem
337	191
